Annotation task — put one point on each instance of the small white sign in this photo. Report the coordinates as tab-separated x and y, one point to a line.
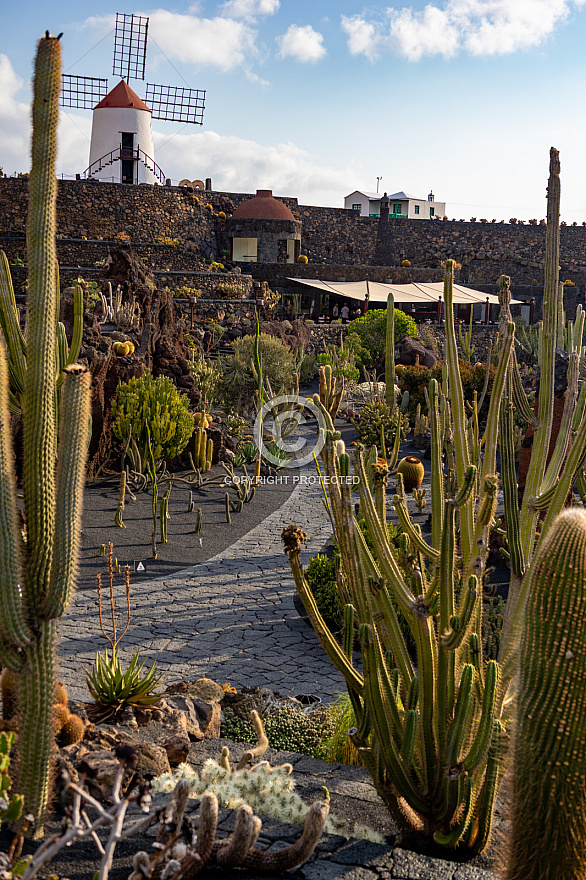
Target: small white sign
140	567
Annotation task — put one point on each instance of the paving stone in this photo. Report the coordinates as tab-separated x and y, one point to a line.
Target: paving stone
365	852
325	870
412	866
469	872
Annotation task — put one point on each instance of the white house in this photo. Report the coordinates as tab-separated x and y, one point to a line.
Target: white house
402	205
121	147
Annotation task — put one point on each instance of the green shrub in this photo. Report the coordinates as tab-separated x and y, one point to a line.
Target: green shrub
155	403
307	368
339	748
375	418
288	728
321	577
239	384
368	334
230	291
207	377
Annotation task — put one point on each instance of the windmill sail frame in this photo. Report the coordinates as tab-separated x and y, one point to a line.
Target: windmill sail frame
130	45
175	103
82	92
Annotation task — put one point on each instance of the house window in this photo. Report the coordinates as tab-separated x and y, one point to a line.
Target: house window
357	208
417	209
396	207
432	212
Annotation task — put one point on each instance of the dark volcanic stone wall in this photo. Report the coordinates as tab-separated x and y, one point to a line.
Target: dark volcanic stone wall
331	237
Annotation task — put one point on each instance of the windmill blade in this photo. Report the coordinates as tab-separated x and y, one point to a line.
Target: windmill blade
82	92
175	103
130	44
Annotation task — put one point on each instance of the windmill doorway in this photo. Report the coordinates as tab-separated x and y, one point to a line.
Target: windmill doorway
128	171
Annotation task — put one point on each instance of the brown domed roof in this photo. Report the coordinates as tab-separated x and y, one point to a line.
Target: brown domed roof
263	207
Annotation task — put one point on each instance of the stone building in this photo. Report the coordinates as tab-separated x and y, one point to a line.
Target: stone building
263	230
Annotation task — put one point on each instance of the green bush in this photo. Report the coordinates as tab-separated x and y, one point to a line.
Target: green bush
321	577
239	384
367	334
307	368
288	728
155	403
207	376
338	748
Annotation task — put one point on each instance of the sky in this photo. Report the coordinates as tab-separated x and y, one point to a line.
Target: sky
315	99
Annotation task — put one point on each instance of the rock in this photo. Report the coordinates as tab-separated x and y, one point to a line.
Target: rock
198	718
408	350
209	717
176	747
151	760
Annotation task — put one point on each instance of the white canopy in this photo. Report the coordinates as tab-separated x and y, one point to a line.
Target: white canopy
406	293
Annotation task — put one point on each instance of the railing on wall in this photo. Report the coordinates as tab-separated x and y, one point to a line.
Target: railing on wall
125	153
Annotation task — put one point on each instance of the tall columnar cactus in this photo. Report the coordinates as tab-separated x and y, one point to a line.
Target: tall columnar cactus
437	725
548	482
331	391
390	352
429	731
37	578
549	784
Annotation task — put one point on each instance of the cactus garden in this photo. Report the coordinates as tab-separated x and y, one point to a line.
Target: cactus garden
178	693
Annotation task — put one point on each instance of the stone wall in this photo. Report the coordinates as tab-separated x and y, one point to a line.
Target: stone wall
331	237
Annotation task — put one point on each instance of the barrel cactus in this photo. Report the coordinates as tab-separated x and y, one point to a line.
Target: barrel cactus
413	472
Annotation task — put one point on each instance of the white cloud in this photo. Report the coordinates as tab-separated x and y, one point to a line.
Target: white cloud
15	124
239	165
249	9
203	42
480	27
301	43
221	42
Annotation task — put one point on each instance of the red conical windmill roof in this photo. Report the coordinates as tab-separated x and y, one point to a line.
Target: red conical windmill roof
122	96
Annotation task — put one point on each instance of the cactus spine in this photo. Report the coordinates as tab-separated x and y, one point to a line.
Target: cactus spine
37	584
549	801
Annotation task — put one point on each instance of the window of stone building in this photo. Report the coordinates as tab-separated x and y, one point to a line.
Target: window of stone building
432	212
417	209
357	208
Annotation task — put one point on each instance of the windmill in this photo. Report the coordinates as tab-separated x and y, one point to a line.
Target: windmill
121	125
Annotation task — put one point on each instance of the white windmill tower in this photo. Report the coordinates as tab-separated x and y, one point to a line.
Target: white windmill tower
121	148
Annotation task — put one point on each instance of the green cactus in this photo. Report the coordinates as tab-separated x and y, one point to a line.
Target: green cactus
466	340
330	392
390	354
17	344
204	450
549	794
37	581
434	733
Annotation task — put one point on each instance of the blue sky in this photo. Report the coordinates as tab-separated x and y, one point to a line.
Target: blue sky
317	99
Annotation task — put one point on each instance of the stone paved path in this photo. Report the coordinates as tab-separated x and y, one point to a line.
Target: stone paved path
231	618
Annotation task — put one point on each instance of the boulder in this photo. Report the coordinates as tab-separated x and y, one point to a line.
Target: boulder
409	350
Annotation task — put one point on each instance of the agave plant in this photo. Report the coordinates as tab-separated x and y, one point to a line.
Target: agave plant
112	689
